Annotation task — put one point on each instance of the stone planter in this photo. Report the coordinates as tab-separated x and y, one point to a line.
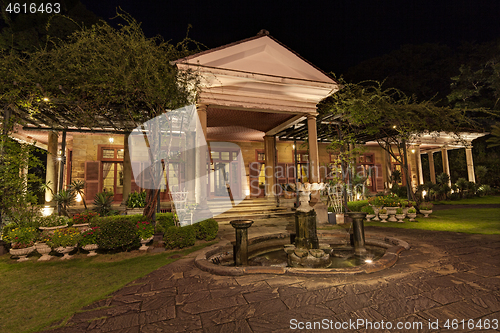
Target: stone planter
391	211
51	230
44	250
400	217
369	217
134	211
22	253
65	250
339	218
375	210
412	216
144	242
82	226
426	212
383	217
91	248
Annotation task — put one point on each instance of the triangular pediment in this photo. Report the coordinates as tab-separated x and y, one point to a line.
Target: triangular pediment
260	55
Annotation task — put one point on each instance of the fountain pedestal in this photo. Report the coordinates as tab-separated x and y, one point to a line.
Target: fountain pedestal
240	249
358	231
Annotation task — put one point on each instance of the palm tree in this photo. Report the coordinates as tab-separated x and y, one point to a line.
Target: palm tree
65	198
78	186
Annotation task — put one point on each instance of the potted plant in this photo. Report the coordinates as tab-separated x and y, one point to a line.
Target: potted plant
102	203
81	221
136	201
42	247
88	240
412	213
382	213
391	204
400	215
426	208
64	241
370	213
22	241
145	231
376	203
65	198
53	222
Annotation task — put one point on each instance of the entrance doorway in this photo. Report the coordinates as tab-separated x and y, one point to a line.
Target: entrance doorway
225	177
112	179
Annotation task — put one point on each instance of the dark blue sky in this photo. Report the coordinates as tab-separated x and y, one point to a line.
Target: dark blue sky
333	35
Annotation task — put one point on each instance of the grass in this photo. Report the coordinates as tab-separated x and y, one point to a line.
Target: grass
466	220
471	201
37	294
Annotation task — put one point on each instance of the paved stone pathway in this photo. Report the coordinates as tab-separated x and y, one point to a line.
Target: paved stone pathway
444	276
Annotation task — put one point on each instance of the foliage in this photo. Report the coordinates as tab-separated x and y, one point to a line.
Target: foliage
164	221
390	200
481	172
484	190
375	201
399	211
206	229
64	237
89	236
102	203
179	237
116	231
53	221
136	200
85	217
412	210
426	206
22	237
355	206
145	229
65	198
382	211
78	187
494	139
368	210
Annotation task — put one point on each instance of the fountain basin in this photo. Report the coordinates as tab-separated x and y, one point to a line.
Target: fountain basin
209	260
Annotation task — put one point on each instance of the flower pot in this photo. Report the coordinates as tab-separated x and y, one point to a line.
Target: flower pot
44	250
144	242
391	211
383	217
91	248
22	253
426	212
52	229
400	217
82	227
412	216
375	210
369	217
65	250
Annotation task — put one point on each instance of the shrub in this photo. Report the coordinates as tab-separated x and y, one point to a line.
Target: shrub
164	221
355	206
412	210
85	217
118	231
64	237
136	200
206	229
53	221
102	202
144	229
368	210
179	237
382	211
22	237
90	236
426	206
399	211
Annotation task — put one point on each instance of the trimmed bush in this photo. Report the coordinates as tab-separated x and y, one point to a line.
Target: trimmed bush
164	221
368	210
355	206
206	229
179	237
117	231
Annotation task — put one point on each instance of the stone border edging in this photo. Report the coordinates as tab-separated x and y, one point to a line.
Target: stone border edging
393	245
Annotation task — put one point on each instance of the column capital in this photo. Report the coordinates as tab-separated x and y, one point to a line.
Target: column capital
311	116
201	107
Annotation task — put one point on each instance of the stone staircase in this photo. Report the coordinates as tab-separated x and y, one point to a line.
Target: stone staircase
253	209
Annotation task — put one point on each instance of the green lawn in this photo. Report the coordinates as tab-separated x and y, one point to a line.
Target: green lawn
36	294
466	220
492	199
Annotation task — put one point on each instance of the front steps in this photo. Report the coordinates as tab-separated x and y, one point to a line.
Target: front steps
252	209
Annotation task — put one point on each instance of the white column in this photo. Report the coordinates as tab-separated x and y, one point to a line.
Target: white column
470	164
446	163
269	149
431	167
52	165
419	165
313	149
127	170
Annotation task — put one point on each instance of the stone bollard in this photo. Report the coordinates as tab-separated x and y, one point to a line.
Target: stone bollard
358	231
240	249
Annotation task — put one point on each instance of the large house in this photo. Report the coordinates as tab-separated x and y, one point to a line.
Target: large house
260	95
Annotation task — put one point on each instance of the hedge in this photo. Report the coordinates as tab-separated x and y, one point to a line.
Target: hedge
118	231
164	221
206	229
179	237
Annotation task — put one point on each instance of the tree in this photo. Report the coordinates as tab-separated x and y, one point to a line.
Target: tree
99	75
390	117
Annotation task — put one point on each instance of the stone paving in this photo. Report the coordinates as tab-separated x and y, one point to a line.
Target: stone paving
443	277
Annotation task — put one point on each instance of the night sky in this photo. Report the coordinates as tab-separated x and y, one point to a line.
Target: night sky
333	35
